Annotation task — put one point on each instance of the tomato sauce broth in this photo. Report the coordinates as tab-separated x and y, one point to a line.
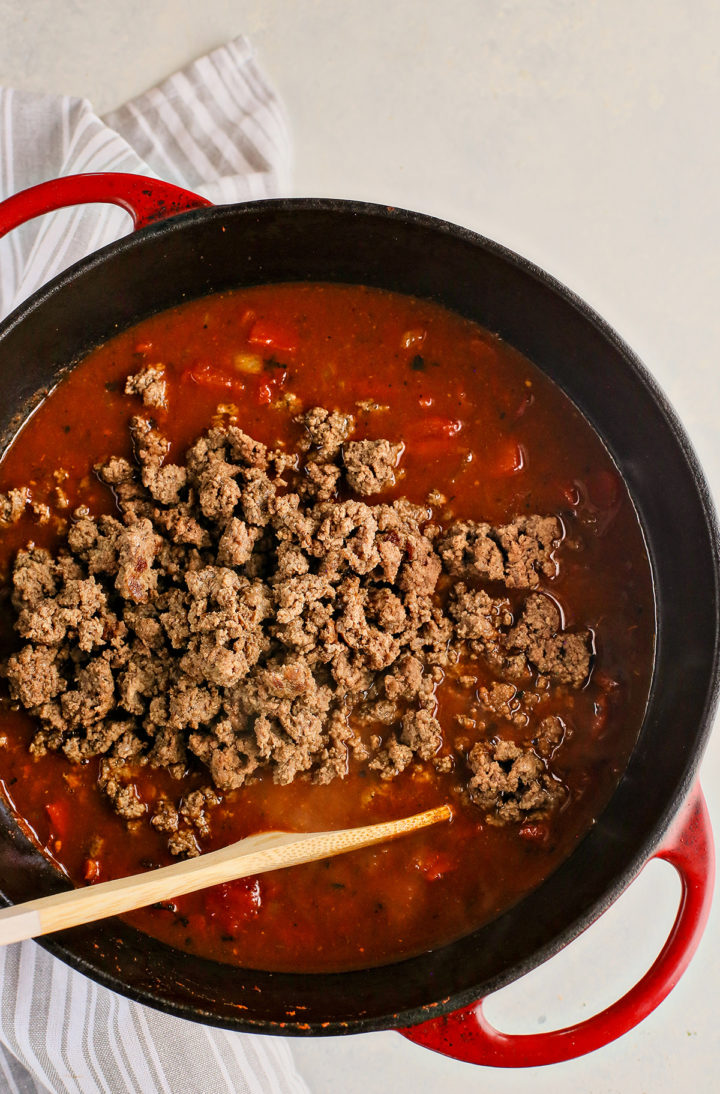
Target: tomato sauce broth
487	430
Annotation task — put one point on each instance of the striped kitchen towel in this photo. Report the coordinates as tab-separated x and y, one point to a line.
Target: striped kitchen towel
217	128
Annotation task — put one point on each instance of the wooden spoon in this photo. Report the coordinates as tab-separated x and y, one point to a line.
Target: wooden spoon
255	855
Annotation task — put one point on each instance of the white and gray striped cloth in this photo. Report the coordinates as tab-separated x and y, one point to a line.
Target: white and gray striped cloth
218	128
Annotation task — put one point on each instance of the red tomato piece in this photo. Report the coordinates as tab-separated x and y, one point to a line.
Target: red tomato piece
433	430
509	459
206	375
269	388
266	332
441	427
436	865
535	833
58	815
91	873
232	904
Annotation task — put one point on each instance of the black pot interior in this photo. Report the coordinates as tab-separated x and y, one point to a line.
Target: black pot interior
210	250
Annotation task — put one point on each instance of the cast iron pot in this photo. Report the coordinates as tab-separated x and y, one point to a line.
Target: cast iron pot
185	249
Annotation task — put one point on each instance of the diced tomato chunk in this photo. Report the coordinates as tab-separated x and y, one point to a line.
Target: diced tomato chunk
535	833
59	815
508	459
270	387
436	865
265	332
232	904
433	430
207	375
91	873
441	427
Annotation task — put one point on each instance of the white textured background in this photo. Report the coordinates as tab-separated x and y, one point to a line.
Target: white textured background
584	135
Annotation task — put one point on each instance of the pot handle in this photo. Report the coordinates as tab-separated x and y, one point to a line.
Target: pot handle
146	200
467	1035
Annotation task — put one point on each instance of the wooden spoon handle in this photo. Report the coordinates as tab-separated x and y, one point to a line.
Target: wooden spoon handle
255	855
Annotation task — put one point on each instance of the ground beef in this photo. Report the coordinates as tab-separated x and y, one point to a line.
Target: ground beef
370	465
551	733
184	842
120	790
235	621
194	809
511	783
166	817
136	548
321	479
93	698
236	543
469	549
13	505
34	676
560	654
502	701
150	384
421	732
325	430
392	759
116	471
477	615
517	554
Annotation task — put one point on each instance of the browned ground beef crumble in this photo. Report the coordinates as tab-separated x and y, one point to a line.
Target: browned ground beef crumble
247	603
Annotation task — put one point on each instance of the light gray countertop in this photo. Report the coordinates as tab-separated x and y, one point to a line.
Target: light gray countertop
583	135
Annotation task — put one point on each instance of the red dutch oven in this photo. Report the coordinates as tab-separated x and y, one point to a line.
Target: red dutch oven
185	248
